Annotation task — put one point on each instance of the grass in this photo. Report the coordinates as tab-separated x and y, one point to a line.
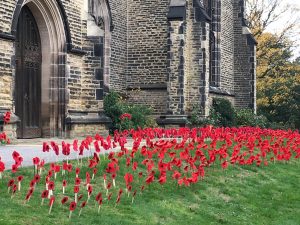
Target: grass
238	195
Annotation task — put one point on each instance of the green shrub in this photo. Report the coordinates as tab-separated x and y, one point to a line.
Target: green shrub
246	117
197	118
115	106
222	113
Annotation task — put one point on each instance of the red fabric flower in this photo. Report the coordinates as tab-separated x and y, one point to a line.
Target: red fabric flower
45	194
98	196
51	185
73	206
36	160
83	204
51	201
20	178
10	183
76	189
64	200
125	115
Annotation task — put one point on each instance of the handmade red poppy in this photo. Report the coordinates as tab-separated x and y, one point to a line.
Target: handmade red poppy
80	197
37	178
20	178
10	183
90	189
69	168
45	194
76	189
77	181
51	185
36	160
57	168
109	196
83	204
134	166
95	171
98	196
64	183
32	183
108	185
73	206
51	201
64	200
77	171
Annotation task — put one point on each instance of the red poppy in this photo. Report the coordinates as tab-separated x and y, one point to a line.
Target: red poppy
45	194
77	181
11	183
128	178
125	116
77	171
15	155
51	201
46	147
176	175
90	189
87	178
69	168
37	178
14	168
98	196
51	185
73	206
80	197
32	183
83	204
134	166
109	196
108	185
36	160
134	193
64	200
64	183
20	178
95	171
162	179
76	189
57	168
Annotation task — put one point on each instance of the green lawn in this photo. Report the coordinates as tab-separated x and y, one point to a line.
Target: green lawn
239	195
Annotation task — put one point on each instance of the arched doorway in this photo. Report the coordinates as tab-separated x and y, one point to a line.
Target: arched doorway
28	76
47	24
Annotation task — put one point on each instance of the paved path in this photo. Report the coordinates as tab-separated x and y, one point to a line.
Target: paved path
29	151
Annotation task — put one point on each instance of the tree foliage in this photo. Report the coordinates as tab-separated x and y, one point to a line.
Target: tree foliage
278	76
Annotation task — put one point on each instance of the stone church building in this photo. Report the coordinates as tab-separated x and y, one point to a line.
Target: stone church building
58	59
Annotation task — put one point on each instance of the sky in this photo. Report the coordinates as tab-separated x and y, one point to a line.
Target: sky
293	14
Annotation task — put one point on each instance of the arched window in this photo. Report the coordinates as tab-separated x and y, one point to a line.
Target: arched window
213	8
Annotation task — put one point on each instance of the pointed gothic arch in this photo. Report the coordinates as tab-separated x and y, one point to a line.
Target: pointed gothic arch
54	38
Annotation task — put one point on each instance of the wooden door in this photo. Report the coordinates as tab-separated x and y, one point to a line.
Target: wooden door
28	76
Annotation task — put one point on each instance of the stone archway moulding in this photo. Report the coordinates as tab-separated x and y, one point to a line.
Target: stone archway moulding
54	39
69	45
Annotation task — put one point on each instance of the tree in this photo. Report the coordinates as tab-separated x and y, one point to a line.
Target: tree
278	76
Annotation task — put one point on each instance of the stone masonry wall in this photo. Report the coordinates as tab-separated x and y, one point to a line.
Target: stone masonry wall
242	55
73	10
227	46
118	45
6	13
147	48
6	74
